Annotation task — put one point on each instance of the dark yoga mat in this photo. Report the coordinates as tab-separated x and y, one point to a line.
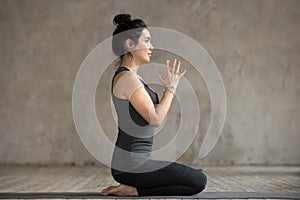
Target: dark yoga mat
203	195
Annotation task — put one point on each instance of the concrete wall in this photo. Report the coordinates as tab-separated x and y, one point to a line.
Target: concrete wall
255	44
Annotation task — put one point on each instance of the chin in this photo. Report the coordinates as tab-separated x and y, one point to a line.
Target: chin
148	59
145	61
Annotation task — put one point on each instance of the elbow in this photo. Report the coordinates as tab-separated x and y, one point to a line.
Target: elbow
156	123
156	119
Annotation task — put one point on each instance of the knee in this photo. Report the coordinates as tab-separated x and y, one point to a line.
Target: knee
201	183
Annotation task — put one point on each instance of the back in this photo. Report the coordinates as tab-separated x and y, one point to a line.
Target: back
135	134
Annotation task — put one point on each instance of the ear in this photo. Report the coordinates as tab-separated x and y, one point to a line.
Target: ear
129	44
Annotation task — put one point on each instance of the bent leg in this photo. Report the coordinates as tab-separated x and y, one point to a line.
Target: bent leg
173	179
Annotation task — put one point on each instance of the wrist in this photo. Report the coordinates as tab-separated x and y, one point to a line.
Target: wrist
171	87
169	90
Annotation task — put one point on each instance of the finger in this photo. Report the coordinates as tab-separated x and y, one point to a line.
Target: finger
168	66
182	73
174	62
173	66
159	77
178	67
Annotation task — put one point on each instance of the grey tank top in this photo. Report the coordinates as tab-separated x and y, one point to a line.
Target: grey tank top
135	135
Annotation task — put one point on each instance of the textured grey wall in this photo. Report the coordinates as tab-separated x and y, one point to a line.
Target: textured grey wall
256	45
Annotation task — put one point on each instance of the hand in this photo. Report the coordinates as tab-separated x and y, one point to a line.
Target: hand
173	76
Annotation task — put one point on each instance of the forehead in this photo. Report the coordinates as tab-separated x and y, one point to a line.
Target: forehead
146	33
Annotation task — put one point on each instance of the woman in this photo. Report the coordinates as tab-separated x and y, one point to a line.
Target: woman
139	112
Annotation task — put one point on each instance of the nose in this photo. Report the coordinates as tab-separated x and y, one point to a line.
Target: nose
151	47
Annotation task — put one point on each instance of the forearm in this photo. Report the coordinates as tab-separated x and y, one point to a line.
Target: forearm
163	107
166	100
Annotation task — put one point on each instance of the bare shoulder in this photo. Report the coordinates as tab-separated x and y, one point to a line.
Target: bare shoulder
126	83
125	76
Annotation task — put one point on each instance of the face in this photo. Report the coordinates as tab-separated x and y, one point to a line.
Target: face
143	50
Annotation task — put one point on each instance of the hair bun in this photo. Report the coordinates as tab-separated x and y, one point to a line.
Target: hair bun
122	19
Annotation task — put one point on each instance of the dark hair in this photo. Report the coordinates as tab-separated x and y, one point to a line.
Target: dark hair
129	29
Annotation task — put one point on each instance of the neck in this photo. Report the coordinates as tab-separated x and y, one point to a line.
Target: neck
130	64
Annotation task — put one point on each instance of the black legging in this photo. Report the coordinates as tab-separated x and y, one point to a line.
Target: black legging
174	179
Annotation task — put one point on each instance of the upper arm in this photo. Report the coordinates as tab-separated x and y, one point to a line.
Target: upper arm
133	89
143	104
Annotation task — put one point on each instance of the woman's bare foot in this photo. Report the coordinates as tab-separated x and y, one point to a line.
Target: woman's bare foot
120	190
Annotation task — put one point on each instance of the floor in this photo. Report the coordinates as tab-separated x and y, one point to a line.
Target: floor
15	178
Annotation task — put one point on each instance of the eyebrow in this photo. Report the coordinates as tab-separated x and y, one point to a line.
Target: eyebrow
148	37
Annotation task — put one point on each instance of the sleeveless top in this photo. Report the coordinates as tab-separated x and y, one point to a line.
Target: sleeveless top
135	135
